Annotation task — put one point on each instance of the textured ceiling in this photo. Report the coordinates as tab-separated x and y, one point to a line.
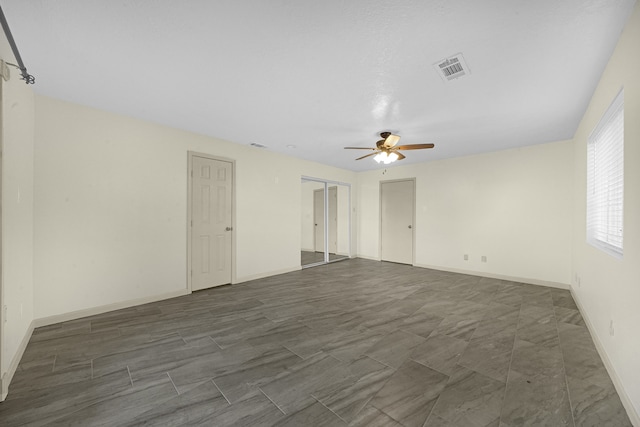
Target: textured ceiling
321	75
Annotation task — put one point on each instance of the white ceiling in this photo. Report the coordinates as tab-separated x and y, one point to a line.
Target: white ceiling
321	75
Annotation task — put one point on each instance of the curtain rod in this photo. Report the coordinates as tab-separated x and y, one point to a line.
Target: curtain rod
28	78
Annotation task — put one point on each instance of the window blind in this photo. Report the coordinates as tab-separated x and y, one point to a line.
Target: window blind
605	180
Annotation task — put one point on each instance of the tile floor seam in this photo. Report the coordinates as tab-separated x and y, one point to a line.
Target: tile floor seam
303	358
173	384
130	378
382	363
271	400
215	342
393	418
220	390
564	369
183	340
416	310
373	395
433	407
437	370
506	384
384	383
330	410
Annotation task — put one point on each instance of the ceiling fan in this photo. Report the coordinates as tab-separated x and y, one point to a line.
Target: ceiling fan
386	150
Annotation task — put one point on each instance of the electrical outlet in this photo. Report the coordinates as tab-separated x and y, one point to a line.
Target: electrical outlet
484	258
466	257
611	330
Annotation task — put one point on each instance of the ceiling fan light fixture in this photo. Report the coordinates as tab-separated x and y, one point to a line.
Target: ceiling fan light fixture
386	158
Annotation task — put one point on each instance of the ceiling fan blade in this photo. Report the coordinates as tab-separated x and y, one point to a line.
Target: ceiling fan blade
391	140
414	147
359	148
400	155
368	155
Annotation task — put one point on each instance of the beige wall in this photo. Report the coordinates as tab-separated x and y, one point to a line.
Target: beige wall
17	219
111	208
608	289
512	206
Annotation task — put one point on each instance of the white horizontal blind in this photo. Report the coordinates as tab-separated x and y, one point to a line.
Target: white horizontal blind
605	180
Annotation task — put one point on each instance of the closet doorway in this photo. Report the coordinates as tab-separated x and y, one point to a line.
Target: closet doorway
325	221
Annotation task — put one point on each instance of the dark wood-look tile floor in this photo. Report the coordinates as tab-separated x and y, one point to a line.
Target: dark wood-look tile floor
358	343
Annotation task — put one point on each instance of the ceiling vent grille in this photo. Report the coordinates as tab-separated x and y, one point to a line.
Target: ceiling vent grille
452	68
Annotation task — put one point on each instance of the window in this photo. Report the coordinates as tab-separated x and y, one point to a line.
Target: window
605	180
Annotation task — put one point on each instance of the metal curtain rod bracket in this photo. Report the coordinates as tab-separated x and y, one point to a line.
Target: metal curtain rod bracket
28	78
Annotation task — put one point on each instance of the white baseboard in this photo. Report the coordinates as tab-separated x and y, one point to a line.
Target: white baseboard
368	257
78	314
268	274
13	366
499	276
622	392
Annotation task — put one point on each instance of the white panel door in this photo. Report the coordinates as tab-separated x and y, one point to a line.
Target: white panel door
397	205
211	229
318	220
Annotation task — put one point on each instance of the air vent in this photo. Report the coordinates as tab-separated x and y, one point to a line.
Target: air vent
452	68
255	144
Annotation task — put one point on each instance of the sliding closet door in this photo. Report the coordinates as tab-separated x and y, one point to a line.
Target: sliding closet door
325	221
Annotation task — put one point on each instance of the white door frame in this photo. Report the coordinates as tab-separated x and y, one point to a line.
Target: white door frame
190	156
2	311
413	218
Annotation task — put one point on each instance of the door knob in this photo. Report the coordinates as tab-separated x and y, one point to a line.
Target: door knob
410	227
228	229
